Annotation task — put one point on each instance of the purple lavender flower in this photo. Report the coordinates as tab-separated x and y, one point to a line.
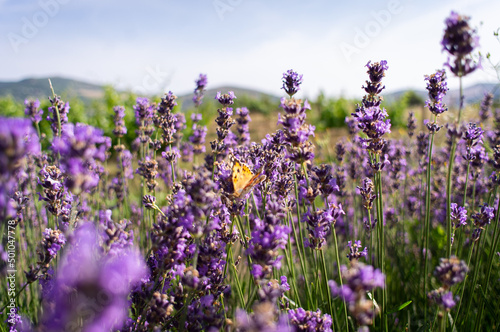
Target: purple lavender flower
90	288
291	82
126	161
320	223
243	128
373	88
262	318
458	215
371	119
226	99
52	242
323	180
63	108
437	87
374	124
18	140
268	236
294	121
197	139
367	192
274	290
15	321
484	217
460	40
143	110
297	132
149	201
485	108
476	234
32	110
80	147
148	168
120	128
340	151
359	279
144	114
354	252
451	271
310	321
224	122
179	125
352	125
165	119
473	135
443	298
160	308
411	125
117	236
201	84
171	155
422	144
204	314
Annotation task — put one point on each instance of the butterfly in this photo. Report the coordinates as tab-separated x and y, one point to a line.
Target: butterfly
243	178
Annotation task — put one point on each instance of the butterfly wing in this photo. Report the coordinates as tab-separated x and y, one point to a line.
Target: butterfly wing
255	180
241	176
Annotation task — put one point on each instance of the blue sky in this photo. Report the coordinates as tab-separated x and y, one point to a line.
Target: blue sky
156	46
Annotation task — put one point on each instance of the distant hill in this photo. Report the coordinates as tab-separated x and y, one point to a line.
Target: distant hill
68	88
473	94
39	88
187	100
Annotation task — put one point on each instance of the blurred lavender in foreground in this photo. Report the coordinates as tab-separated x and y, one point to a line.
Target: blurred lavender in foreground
90	289
18	140
358	280
460	40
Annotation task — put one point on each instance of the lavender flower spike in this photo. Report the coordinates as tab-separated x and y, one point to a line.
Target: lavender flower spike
33	110
437	87
458	215
460	40
225	99
201	84
291	82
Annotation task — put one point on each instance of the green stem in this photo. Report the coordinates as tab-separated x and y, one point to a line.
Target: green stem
450	170
463	288
57	109
238	284
490	264
340	274
381	244
475	275
301	259
427	217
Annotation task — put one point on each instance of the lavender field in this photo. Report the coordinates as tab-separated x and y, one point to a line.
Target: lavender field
173	232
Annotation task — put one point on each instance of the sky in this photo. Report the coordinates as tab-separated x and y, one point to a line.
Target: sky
154	46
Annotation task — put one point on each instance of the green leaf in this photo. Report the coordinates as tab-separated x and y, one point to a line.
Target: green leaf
399	307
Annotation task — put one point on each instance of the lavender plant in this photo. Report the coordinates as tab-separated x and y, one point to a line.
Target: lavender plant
315	242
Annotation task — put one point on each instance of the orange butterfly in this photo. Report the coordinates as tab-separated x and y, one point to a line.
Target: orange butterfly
243	178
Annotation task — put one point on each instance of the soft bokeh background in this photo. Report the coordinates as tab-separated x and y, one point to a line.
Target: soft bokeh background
156	46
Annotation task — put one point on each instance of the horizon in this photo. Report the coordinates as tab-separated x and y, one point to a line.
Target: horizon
330	44
271	94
